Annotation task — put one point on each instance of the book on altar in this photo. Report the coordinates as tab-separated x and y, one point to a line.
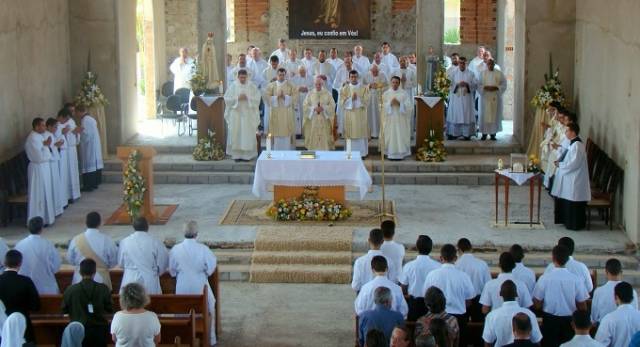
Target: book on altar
307	154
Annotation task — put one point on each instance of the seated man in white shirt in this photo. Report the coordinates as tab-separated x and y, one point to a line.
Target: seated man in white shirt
478	271
617	327
603	297
362	267
392	250
491	298
559	293
414	274
521	272
364	300
581	326
498	326
575	267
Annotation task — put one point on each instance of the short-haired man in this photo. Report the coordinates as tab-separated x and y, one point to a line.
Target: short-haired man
522	326
281	97
461	119
581	326
362	272
603	297
490	299
575	267
617	327
41	260
91	163
521	272
400	337
182	69
381	317
41	202
478	271
3	251
559	293
354	101
414	274
281	51
88	302
17	292
392	250
365	299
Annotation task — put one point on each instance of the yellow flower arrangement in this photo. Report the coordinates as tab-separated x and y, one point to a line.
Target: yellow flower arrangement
534	164
208	148
90	93
134	185
433	150
441	82
308	208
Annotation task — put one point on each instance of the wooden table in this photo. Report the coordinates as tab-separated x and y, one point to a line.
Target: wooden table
507	181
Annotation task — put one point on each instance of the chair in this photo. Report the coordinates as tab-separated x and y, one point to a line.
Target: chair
175	113
192	114
604	200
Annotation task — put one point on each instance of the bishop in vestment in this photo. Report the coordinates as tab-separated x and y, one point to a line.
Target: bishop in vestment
319	117
241	113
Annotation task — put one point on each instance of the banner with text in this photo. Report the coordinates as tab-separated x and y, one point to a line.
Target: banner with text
329	19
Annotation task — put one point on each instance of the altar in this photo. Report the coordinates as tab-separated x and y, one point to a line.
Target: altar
288	175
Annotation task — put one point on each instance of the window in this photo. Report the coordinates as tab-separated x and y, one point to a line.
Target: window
452	22
231	21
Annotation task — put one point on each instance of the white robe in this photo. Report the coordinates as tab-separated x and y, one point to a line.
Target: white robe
308	63
250	75
572	176
268	75
182	73
292	68
490	103
397	139
192	263
144	258
475	64
63	169
409	86
258	67
362	63
336	63
390	61
307	82
54	168
461	112
71	166
90	150
40	200
101	244
40	262
375	97
342	77
243	118
282	55
325	69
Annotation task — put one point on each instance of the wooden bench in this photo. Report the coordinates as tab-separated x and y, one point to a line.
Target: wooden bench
605	177
13	187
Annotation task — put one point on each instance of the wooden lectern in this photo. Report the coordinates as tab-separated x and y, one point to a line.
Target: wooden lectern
429	118
211	118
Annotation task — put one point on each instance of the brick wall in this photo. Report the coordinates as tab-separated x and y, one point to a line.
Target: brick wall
478	22
182	27
402	6
249	16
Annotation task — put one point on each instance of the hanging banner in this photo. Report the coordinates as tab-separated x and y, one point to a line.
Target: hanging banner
329	19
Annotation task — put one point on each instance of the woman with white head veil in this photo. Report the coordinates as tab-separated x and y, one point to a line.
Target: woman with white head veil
13	331
73	335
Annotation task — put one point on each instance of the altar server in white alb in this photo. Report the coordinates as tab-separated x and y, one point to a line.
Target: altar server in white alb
571	188
282	96
304	83
59	192
40	259
143	257
95	245
241	113
491	87
90	150
461	112
192	263
397	107
71	132
378	83
354	98
319	117
364	300
63	171
41	199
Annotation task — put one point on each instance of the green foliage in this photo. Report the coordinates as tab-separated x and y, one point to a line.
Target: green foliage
452	36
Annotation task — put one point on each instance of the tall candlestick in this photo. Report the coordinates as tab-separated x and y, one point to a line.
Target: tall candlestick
349	147
269	144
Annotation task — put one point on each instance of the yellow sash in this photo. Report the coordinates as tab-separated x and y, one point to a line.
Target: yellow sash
83	246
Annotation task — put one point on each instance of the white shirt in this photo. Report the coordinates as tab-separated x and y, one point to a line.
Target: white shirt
40	262
617	328
395	252
415	273
455	284
582	341
477	269
182	73
498	325
337	62
526	275
577	268
390	61
560	290
101	244
281	54
491	292
144	258
135	330
362	272
604	301
365	302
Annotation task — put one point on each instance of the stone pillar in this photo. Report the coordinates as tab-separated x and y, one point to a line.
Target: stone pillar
212	16
429	33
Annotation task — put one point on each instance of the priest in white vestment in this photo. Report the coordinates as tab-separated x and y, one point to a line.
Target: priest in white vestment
63	170
360	61
461	120
41	202
388	58
342	79
324	70
282	52
304	83
308	60
319	118
334	60
229	69
282	96
143	257
408	83
96	245
292	64
454	64
91	163
59	192
491	86
242	65
475	63
270	74
192	263
378	83
550	146
40	258
258	65
377	60
242	116
354	98
571	188
71	134
182	68
397	107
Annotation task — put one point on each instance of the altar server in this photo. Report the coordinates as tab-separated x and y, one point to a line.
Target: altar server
604	301
461	112
324	69
571	188
364	300
304	84
491	86
90	150
40	259
72	138
281	96
63	171
414	274
354	99
96	245
397	107
617	327
41	201
490	299
59	191
577	268
378	83
192	263
242	117
143	257
319	117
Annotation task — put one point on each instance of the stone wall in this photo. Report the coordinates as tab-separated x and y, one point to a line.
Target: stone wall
606	99
34	66
181	18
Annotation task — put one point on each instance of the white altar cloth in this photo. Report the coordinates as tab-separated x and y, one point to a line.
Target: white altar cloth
519	177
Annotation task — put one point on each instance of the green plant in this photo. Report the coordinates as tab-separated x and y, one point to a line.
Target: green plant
452	36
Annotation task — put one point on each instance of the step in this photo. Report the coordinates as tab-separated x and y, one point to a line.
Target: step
302	257
301	273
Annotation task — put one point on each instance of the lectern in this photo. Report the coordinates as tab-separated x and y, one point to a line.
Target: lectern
430	116
211	117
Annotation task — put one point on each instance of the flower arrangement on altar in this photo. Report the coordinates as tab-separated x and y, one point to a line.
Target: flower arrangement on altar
433	149
208	148
198	81
534	164
551	90
308	208
441	82
134	185
90	94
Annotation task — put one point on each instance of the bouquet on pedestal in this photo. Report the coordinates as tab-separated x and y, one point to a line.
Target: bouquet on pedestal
432	150
198	81
551	90
534	164
90	94
208	148
134	185
441	82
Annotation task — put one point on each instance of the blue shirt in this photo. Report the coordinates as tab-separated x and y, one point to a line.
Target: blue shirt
635	340
380	318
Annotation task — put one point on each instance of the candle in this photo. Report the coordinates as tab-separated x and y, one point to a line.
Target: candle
221	87
269	143
349	147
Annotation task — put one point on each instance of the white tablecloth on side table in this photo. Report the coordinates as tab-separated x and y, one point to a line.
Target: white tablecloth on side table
330	168
519	177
